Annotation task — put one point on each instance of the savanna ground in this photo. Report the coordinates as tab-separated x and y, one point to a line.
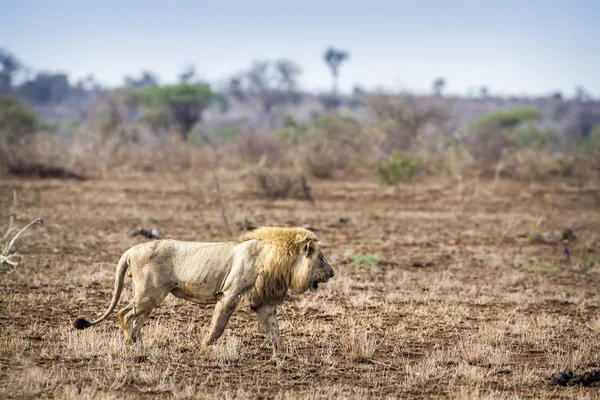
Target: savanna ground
442	289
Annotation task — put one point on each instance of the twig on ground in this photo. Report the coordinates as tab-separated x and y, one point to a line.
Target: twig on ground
381	364
5	258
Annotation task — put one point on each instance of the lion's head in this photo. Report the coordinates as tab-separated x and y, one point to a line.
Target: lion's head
321	271
291	259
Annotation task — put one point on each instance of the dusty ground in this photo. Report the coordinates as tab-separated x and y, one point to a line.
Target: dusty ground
442	290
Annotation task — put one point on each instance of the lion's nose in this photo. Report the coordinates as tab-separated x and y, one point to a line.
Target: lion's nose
331	273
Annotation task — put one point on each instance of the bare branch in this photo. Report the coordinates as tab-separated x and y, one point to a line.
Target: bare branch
14	239
221	204
11	220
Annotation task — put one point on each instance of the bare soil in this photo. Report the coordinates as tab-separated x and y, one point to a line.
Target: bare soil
442	290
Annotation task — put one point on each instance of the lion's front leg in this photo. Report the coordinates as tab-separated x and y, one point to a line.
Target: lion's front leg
223	310
267	315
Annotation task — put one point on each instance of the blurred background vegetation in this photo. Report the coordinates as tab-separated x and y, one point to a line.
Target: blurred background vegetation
261	117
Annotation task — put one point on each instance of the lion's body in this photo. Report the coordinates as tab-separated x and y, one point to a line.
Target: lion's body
197	271
261	267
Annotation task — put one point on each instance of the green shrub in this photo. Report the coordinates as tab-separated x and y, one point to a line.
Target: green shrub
362	259
493	133
506	119
399	169
565	167
530	136
16	119
330	127
221	135
591	144
50	126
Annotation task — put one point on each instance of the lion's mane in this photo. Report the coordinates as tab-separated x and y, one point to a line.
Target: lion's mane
286	262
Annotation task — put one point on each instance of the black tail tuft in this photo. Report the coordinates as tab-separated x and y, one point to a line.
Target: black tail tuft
81	323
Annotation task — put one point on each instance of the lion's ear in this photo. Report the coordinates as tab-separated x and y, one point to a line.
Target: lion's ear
310	249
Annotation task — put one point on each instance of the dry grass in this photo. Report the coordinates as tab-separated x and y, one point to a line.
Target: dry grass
277	184
359	345
438	292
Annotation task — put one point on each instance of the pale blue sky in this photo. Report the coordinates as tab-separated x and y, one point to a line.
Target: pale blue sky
513	46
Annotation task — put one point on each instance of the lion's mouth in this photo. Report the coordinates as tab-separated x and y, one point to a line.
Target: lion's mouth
314	286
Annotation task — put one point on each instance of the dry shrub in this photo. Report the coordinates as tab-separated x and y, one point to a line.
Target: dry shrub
253	149
318	158
36	149
492	135
489	145
405	119
277	184
544	166
89	153
359	345
113	140
331	143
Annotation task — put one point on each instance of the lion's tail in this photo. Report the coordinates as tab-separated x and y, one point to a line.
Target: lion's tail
82	323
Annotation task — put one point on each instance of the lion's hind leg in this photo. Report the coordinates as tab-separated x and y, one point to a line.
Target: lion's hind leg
133	316
123	318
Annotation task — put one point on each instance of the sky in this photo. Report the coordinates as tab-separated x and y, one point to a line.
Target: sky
514	47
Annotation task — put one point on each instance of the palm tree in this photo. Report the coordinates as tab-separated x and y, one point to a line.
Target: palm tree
438	86
334	58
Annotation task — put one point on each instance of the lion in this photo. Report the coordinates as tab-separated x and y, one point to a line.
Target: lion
261	267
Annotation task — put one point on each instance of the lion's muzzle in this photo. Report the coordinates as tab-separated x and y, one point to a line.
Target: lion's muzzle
324	277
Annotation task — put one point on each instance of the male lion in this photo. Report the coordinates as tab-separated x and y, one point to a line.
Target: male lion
262	266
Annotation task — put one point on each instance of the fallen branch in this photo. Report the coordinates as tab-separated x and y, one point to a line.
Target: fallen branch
11	220
5	258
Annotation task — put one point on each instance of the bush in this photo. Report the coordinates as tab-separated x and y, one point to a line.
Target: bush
405	119
530	136
279	185
399	169
16	119
493	133
591	144
252	149
17	122
221	135
506	119
330	143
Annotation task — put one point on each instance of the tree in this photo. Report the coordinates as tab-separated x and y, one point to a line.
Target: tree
484	92
146	79
181	104
187	74
88	83
438	86
236	90
46	88
581	94
288	78
9	66
557	96
270	82
334	58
